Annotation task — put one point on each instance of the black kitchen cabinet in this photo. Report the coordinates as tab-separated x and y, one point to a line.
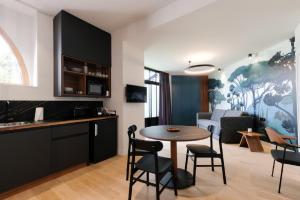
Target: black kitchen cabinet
103	139
84	48
70	146
25	156
31	154
76	38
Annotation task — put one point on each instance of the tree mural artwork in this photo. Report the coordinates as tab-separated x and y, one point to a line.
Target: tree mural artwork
253	82
284	93
265	89
214	95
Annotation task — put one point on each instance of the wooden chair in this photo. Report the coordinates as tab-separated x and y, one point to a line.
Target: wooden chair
150	163
204	151
131	134
282	156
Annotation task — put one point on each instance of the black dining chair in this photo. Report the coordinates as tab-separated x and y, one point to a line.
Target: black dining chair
131	134
150	163
203	151
283	156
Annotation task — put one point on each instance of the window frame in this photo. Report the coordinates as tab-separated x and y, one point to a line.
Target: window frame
155	83
19	57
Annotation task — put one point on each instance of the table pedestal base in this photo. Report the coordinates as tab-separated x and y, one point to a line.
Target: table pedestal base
252	142
184	179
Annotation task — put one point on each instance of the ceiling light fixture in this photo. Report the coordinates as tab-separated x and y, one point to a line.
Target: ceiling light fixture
253	57
199	69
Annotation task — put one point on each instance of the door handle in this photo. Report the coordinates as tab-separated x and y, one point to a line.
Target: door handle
96	130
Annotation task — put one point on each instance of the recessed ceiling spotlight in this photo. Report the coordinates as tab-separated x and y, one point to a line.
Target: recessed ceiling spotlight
252	55
199	69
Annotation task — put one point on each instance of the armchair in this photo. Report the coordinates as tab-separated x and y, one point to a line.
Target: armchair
283	156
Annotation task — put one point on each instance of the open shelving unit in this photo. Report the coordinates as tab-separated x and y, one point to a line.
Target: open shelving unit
76	74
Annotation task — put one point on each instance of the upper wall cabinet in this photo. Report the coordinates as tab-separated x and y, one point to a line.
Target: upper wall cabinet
82	58
82	40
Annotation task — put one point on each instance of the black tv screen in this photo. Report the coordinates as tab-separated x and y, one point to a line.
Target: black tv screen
136	94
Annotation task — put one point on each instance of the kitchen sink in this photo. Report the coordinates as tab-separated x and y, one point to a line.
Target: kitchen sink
11	124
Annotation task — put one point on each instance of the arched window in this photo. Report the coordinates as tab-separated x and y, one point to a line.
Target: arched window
12	65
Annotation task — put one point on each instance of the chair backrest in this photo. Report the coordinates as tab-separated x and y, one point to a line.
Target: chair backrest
147	146
131	131
275	137
211	128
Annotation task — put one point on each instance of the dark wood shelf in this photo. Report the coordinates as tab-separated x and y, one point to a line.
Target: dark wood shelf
75	73
84	95
83	74
73	95
94	76
97	96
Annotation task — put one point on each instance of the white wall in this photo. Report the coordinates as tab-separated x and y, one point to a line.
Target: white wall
133	73
127	68
297	45
16	18
45	68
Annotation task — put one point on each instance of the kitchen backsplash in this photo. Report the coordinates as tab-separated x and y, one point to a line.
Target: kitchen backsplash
53	110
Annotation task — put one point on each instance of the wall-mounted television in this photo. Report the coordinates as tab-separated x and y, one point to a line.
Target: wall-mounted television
136	94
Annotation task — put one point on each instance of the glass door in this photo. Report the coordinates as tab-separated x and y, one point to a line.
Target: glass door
152	105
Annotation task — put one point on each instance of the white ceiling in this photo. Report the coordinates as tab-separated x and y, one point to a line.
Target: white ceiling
106	14
225	31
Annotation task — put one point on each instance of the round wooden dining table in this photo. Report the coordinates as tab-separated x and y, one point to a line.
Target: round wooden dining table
183	134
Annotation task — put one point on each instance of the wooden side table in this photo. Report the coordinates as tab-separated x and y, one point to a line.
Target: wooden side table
251	140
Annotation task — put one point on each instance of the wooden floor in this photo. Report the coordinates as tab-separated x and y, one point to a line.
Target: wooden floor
248	177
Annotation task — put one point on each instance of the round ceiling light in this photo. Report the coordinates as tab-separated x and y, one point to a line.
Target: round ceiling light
200	69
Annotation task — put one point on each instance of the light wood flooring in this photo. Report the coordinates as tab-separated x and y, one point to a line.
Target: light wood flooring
248	177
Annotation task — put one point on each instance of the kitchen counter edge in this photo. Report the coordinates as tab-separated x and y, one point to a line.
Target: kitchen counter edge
43	124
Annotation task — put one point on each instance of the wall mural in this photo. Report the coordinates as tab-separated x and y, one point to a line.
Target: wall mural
265	89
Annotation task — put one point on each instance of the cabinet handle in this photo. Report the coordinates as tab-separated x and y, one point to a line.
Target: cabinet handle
96	130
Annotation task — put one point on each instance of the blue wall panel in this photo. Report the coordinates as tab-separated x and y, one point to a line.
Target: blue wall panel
185	99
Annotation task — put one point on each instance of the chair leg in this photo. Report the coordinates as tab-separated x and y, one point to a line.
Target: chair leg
174	181
273	168
186	159
223	170
127	168
157	186
194	170
147	174
279	188
130	186
212	164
